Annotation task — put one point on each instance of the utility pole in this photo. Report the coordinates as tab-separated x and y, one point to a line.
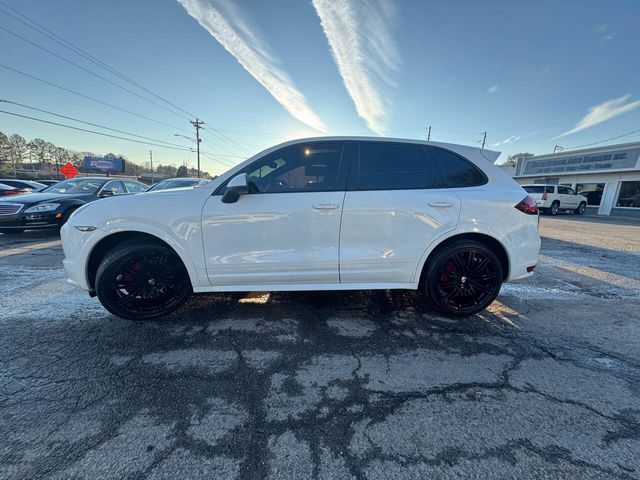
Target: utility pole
484	140
429	134
151	159
198	124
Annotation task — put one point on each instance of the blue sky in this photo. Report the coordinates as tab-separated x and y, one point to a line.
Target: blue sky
531	74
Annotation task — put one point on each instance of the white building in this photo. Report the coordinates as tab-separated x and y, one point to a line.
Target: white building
608	176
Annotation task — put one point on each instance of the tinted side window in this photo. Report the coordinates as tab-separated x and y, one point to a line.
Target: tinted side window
455	171
116	187
390	166
133	187
309	167
563	190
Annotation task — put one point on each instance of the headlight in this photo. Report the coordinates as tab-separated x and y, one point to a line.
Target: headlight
43	207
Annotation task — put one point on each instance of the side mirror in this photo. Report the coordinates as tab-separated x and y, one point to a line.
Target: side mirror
107	193
237	186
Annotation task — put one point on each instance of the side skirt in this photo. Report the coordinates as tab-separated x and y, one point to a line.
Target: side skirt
296	287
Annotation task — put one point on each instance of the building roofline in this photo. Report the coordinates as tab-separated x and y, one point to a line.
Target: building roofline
590	149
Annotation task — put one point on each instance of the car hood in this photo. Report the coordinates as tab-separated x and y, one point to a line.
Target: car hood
31	198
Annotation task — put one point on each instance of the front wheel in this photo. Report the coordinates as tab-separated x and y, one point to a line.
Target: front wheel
142	280
463	278
581	209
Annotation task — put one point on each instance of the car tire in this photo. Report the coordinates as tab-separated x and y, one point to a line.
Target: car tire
581	209
463	278
11	231
142	280
555	208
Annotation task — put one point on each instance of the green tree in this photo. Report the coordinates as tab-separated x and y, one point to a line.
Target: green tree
182	171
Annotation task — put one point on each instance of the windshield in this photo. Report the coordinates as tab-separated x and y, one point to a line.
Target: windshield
75	186
534	189
168	184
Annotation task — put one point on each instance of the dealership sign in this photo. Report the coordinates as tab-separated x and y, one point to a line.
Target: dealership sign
605	160
106	164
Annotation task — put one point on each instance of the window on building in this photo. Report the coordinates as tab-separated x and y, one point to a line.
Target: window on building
593	192
629	195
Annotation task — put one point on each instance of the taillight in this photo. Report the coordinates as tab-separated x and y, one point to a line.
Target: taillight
545	196
12	192
528	206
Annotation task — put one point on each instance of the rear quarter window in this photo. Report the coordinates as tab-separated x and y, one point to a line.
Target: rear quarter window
455	171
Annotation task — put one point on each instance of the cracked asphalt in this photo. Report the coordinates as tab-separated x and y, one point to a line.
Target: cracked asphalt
545	384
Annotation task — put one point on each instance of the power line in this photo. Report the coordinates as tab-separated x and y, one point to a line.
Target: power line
94	132
210	155
77	50
77	65
605	140
88	123
93	99
226	138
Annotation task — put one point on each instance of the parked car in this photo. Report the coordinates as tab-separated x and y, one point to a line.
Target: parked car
338	213
48	183
53	206
26	184
6	190
555	198
171	183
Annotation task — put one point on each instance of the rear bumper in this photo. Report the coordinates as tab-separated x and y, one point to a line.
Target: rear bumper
519	235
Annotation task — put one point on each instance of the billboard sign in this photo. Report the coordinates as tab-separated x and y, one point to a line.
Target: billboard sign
105	164
581	163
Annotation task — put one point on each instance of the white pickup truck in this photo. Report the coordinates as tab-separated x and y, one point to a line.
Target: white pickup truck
554	198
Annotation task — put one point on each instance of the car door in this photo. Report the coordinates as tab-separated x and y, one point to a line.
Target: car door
392	211
567	199
285	231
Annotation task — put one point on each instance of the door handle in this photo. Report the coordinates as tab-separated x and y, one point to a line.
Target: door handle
440	204
325	206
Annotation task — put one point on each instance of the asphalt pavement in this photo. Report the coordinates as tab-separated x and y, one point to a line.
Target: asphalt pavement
545	384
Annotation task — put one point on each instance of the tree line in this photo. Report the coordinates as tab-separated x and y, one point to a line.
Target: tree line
39	158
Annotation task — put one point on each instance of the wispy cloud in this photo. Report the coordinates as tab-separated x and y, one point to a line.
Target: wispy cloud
492	90
359	35
604	34
507	141
229	26
603	112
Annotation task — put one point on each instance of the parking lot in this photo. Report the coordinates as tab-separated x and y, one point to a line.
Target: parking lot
329	385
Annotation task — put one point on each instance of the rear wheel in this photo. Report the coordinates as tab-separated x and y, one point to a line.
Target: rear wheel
11	231
463	278
555	208
581	209
142	280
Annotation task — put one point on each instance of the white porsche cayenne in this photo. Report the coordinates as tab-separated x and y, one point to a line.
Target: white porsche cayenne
336	213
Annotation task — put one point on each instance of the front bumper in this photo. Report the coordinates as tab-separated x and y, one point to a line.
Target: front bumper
76	246
21	221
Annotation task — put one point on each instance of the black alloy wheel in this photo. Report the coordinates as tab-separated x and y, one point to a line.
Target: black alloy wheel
142	280
581	209
463	278
555	208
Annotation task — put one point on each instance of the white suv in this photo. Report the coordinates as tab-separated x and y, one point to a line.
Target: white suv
554	198
337	213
